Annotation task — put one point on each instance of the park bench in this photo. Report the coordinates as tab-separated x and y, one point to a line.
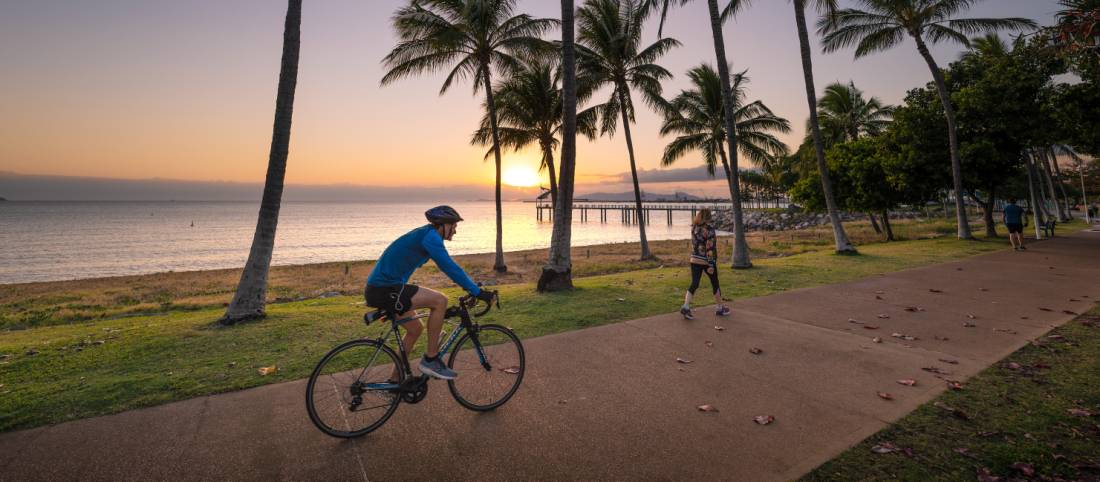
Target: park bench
1048	228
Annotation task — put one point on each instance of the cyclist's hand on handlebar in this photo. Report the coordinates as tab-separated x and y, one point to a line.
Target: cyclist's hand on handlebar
487	296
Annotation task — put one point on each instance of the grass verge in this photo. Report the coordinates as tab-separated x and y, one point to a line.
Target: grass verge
57	373
1034	416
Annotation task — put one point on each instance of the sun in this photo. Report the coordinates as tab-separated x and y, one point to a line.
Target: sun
520	176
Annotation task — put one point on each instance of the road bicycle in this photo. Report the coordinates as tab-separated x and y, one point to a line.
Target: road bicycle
358	385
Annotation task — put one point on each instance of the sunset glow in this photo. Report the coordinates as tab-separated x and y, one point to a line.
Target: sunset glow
520	176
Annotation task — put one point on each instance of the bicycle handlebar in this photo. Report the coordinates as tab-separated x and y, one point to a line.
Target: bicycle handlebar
471	302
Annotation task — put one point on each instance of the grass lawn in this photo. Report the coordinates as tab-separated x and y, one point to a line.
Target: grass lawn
56	373
1033	416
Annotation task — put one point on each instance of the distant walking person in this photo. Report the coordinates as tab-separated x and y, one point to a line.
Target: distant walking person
704	257
1015	220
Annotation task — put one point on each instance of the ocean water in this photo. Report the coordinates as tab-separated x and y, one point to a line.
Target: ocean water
50	241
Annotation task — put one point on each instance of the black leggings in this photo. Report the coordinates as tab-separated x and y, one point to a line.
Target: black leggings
697	273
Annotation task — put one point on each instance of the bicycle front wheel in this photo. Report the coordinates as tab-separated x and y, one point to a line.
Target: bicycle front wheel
490	365
353	390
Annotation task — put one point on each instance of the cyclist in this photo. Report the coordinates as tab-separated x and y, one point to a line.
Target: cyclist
388	288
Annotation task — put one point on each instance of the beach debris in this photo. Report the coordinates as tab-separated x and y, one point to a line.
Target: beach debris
511	370
1080	412
909	382
885	395
876	339
685	361
936	370
870	327
755	351
763	419
949	361
952	410
265	371
1026	469
883	317
884	448
904	337
719	328
707	408
934	290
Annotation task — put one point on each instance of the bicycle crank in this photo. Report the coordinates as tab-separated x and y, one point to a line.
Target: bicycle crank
417	390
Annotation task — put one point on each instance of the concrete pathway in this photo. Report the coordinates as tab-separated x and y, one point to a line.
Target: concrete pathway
612	403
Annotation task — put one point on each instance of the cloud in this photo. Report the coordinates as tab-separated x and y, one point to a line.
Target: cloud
685	174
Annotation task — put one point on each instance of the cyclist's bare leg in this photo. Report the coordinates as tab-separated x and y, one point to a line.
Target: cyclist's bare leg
437	302
413	329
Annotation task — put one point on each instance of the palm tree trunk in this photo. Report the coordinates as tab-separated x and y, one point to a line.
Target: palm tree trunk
1061	204
1061	184
250	300
874	222
952	136
740	244
842	244
498	264
886	225
557	274
1035	208
726	168
548	159
623	108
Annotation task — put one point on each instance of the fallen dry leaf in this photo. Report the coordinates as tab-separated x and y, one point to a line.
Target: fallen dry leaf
709	344
954	385
1068	312
1074	299
267	370
1080	412
880	292
877	297
876	339
885	396
1026	469
884	448
965	452
1013	366
933	290
763	419
940	338
870	327
968	324
949	361
682	360
972	317
982	289
952	410
904	337
707	408
907	382
1044	309
984	475
755	351
511	370
883	317
936	370
912	309
620	299
855	321
719	328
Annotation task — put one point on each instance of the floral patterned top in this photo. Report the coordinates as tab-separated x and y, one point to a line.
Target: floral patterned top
704	245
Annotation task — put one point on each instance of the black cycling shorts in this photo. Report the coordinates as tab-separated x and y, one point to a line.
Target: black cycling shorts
395	298
1015	228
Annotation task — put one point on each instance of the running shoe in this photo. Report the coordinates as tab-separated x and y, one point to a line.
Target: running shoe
686	312
722	311
436	369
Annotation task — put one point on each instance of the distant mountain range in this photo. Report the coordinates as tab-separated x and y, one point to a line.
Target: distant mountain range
646	196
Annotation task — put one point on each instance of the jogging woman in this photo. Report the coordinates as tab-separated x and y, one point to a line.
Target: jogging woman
704	257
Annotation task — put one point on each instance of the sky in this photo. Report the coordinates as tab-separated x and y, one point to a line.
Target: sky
184	90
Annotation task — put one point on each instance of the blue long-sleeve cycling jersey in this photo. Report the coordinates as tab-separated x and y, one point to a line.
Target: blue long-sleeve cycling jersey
411	251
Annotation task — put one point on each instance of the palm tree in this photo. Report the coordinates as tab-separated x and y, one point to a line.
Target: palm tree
717	18
473	36
885	23
250	300
697	118
843	245
609	54
529	106
846	115
557	275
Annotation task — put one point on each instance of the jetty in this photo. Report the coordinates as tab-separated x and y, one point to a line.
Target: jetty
627	212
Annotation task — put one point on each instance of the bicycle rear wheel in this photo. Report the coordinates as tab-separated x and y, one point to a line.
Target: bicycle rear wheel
490	366
353	390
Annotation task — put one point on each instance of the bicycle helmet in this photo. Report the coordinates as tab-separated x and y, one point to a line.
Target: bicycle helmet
442	215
